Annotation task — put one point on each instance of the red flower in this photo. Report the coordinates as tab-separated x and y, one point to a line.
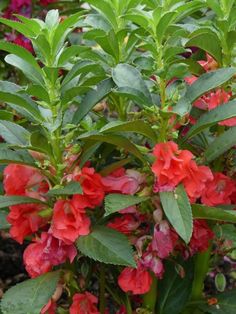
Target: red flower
218	191
123	181
169	166
41	256
25	181
124	224
93	189
20	40
196	179
137	280
201	237
22	7
163	242
84	303
24	220
69	221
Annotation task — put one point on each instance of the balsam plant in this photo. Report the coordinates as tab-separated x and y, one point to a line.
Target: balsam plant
118	157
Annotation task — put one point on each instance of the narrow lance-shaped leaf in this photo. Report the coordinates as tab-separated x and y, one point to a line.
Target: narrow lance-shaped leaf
21	53
117	140
213	213
212	117
107	246
14	133
221	144
31	295
6	201
136	126
17	157
208	41
178	211
92	98
69	189
204	83
126	76
116	202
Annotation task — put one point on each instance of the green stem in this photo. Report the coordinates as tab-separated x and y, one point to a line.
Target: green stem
102	303
150	298
201	268
128	305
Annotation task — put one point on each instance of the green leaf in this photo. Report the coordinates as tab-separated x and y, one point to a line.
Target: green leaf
209	42
117	140
3	220
220	145
105	8
14	133
70	52
69	189
21	53
174	291
125	75
25	67
213	213
6	201
83	66
107	246
116	165
223	112
19	27
226	304
178	210
33	24
163	24
63	29
30	296
52	19
92	98
136	126
116	202
11	94
205	83
40	143
187	9
17	157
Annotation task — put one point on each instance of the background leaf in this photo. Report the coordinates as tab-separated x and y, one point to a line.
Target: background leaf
174	291
31	295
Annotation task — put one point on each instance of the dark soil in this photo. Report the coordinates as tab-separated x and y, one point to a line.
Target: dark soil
11	262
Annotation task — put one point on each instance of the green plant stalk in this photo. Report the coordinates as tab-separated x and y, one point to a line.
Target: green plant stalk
102	285
150	298
128	305
200	270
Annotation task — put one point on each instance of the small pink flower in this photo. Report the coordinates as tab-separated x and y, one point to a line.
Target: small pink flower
41	256
151	261
123	181
162	243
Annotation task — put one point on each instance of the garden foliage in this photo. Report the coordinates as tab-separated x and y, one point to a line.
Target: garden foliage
117	125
